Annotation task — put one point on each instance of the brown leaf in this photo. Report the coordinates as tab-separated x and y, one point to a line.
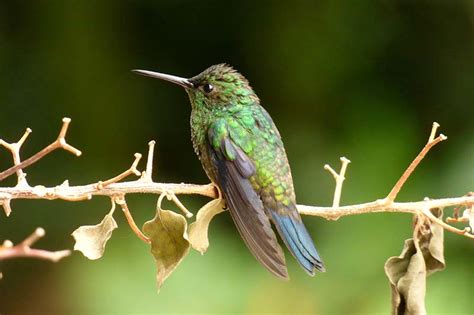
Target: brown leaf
421	256
91	239
434	254
407	274
169	244
197	232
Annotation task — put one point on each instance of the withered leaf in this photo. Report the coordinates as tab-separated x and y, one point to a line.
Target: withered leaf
198	231
91	239
421	256
169	244
434	254
407	274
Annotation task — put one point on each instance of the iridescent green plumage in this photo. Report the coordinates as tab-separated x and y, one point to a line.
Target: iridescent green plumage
241	151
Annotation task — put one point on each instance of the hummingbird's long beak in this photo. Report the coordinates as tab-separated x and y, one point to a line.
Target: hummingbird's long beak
167	77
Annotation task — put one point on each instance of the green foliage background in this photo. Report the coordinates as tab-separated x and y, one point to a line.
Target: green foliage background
364	79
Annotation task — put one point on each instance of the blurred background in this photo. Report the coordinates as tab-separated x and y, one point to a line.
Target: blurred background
361	79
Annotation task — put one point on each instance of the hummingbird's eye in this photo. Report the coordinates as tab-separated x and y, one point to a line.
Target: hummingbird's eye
208	88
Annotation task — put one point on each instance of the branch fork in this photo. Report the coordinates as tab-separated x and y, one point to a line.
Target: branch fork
117	190
132	170
432	141
23	249
339	178
59	143
388	203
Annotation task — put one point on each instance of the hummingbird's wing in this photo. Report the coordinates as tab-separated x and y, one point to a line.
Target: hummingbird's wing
233	169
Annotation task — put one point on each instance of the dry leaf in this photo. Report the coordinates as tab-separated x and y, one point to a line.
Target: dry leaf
197	232
91	239
420	257
407	275
434	254
169	245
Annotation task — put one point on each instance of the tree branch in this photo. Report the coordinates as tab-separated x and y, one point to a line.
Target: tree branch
339	178
432	141
388	204
128	215
117	191
23	249
59	143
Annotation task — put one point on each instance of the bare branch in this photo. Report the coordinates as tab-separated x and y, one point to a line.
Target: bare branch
59	143
381	205
384	205
177	202
84	192
23	249
14	149
6	206
132	170
467	215
131	222
117	191
432	141
388	205
147	175
339	179
33	238
465	232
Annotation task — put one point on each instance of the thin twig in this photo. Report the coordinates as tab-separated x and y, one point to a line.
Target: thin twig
465	232
23	249
431	143
147	175
132	170
60	142
434	128
33	238
467	215
419	207
5	203
339	178
131	222
171	196
14	148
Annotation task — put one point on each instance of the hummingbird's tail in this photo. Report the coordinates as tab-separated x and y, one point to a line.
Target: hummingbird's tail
296	237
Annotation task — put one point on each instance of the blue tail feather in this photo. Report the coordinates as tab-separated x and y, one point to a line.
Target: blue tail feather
298	241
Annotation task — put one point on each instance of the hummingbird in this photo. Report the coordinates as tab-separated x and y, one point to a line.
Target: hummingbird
242	152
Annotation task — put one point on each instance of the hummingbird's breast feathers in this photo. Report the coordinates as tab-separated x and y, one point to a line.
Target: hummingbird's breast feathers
251	130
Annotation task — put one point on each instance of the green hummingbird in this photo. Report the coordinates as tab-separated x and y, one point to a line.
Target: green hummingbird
241	151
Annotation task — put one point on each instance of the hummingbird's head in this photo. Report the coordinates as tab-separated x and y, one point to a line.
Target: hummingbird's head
217	87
